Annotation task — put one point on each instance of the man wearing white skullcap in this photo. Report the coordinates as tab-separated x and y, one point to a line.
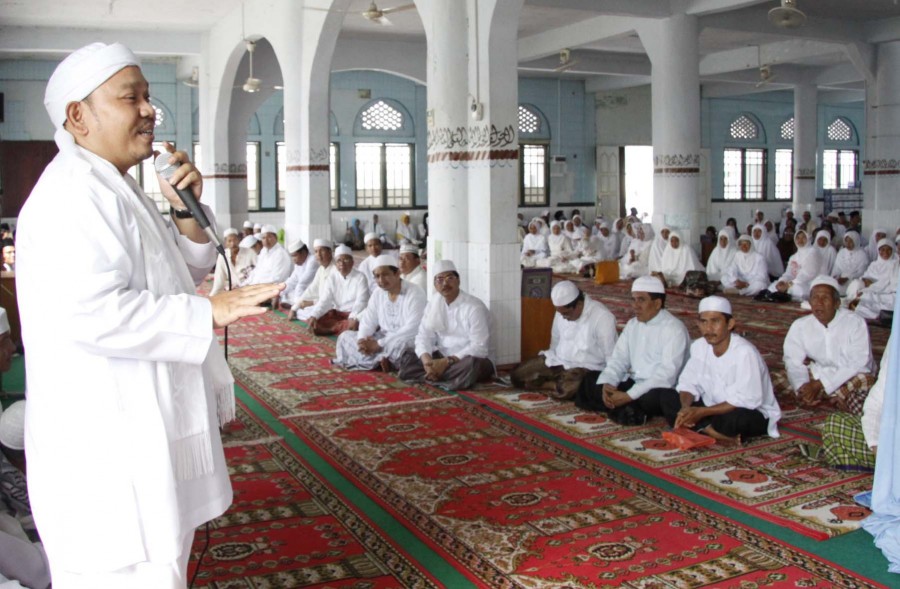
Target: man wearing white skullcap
247	228
131	355
343	296
649	354
411	266
324	252
304	271
233	260
274	263
582	338
828	354
374	247
454	338
257	228
387	328
724	390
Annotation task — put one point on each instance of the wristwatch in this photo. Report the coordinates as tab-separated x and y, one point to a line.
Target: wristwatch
181	213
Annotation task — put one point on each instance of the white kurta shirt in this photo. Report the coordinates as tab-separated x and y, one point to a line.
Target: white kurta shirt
301	277
89	443
651	353
738	377
244	263
586	342
272	265
314	289
837	352
874	405
348	294
467	331
366	268
418	277
393	321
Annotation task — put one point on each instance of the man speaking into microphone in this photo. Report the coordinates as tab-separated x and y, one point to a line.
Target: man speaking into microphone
127	383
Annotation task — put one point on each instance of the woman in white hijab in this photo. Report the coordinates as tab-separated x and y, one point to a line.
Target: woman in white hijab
747	275
827	254
616	229
768	251
628	235
722	257
802	268
659	245
561	251
877	289
770	231
850	263
872	249
678	259
634	263
534	246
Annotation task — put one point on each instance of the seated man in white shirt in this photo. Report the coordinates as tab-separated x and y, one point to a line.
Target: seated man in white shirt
388	326
828	354
305	268
245	260
247	229
411	268
231	240
273	263
453	340
724	390
343	297
582	338
325	257
374	247
649	354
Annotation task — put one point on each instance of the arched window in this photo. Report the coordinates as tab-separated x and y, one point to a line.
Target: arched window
840	163
745	167
784	163
534	156
385	155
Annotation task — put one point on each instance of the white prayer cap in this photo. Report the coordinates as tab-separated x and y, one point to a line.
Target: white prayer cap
385	260
81	73
564	293
342	250
4	321
409	248
369	237
745	237
296	245
248	225
257	226
248	241
230	231
442	266
714	303
322	243
824	279
832	215
12	426
269	229
576	217
650	284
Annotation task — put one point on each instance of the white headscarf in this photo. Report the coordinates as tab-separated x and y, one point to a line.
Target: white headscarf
558	243
827	254
872	248
768	251
883	271
678	261
721	257
660	245
850	263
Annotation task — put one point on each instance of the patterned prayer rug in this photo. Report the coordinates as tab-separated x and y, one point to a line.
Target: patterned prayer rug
288	529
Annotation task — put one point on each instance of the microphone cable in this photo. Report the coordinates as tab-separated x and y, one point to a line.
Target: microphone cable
200	559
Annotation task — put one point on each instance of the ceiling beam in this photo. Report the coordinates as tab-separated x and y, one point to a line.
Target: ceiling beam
611	83
700	7
838	74
862	56
756	21
574	35
58	41
751	57
642	8
730	89
594	63
882	31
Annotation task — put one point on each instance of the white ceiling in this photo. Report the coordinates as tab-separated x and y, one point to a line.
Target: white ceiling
733	34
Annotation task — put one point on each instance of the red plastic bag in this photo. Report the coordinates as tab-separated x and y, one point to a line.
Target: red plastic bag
686	439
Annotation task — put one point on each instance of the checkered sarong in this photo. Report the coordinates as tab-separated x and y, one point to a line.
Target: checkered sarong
844	444
849	397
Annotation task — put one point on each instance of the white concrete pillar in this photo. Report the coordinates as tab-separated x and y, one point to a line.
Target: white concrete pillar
672	45
805	148
473	161
881	167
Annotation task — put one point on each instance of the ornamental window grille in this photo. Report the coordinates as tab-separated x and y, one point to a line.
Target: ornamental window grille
839	130
743	128
160	116
787	129
382	117
529	122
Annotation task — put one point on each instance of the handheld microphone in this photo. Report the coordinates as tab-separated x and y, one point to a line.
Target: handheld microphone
166	170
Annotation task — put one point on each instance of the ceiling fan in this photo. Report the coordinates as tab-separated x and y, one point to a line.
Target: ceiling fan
765	76
372	13
194	80
787	16
565	60
252	84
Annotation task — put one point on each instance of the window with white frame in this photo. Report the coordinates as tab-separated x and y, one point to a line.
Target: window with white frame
534	157
745	174
334	173
840	165
253	148
384	175
281	173
784	174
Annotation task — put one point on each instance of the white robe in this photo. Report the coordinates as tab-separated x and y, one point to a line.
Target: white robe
881	294
721	258
244	264
586	342
313	291
348	294
738	377
392	323
747	267
300	279
461	329
834	353
651	353
418	276
534	247
88	443
850	264
659	246
767	249
676	262
872	408
272	265
407	234
827	254
802	268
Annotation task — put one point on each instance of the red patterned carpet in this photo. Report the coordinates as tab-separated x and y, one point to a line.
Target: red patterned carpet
514	509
